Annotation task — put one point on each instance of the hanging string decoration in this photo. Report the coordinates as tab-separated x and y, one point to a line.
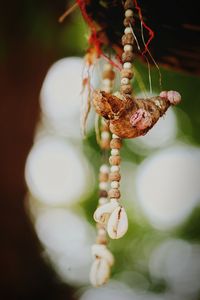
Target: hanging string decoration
122	116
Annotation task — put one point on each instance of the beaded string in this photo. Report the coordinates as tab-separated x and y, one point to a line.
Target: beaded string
103	258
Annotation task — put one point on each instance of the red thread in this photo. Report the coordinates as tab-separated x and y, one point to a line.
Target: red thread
93	39
151	32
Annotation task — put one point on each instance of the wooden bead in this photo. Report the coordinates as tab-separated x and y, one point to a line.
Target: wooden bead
128	39
115	143
127	56
105	144
128	21
110	74
115	160
103	194
103	177
128	4
115	176
127	73
114	193
102	240
104	127
126	89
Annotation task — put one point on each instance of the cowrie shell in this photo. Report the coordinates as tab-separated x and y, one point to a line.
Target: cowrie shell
101	251
100	272
117	224
103	212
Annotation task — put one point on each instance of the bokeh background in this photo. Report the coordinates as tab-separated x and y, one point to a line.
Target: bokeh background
49	172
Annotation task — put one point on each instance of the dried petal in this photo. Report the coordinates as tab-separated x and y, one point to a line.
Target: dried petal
102	252
103	212
141	119
117	223
100	272
173	97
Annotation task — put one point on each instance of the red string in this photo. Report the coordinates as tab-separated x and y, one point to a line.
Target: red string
151	32
93	39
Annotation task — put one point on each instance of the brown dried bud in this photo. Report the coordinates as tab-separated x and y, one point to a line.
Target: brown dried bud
127	73
127	56
126	89
108	74
115	144
103	177
114	176
103	194
114	193
128	21
128	4
128	39
115	160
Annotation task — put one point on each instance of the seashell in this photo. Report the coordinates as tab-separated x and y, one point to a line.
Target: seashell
102	251
118	223
100	272
103	212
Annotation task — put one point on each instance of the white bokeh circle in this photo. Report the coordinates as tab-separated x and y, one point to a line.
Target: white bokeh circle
57	172
67	239
62	96
167	185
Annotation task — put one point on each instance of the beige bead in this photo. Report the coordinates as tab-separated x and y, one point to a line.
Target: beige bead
126	89
128	48
107	82
128	13
127	73
125	81
127	65
114	136
114	176
127	30
114	184
115	160
107	67
114	193
104	169
115	143
103	185
105	135
115	152
114	169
